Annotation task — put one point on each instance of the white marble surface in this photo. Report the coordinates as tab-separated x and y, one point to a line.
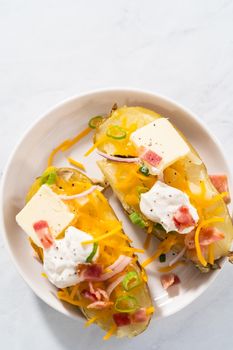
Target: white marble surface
50	50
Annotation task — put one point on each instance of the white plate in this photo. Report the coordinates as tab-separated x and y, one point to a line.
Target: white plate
29	160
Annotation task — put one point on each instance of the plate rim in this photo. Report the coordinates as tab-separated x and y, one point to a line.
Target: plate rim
54	109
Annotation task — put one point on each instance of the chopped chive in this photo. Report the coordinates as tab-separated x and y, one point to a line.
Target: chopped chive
137	220
91	256
95	121
144	170
162	258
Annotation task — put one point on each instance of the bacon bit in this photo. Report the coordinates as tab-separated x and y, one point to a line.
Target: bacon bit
139	316
42	230
169	280
220	182
99	305
207	236
103	293
90	272
121	319
176	279
94	272
183	218
88	295
92	290
95	295
99	293
210	235
151	157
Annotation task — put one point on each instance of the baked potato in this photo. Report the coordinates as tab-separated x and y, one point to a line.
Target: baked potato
122	167
112	290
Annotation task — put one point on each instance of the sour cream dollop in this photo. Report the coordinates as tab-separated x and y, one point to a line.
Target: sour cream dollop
161	203
62	258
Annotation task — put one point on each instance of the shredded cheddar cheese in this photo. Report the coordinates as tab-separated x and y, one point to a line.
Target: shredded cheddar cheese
163	248
152	258
203	189
150	310
101	197
56	150
196	238
106	235
111	331
172	267
76	163
74	291
150	227
77	138
144	275
132	249
63	297
147	241
101	140
65	145
211	253
66	292
90	321
216	198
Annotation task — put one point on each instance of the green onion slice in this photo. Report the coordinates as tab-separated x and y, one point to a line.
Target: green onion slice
116	132
131	280
137	220
95	122
126	303
49	176
144	170
91	256
162	258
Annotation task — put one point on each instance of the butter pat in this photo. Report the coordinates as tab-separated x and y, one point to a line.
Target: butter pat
162	138
44	205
